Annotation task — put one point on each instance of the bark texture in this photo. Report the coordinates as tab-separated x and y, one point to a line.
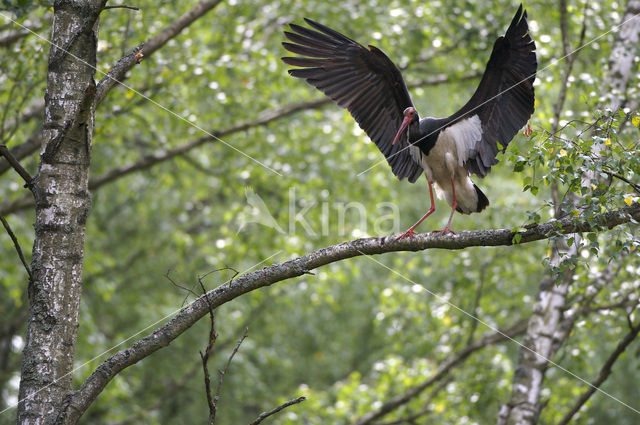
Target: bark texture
542	340
62	206
621	62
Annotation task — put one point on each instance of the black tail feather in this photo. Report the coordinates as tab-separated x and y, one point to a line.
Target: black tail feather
483	202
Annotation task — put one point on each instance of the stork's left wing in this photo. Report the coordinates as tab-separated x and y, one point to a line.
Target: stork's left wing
504	99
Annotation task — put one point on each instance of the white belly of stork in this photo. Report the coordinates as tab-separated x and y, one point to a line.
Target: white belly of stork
445	161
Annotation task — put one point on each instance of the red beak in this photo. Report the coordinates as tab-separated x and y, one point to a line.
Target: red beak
403	127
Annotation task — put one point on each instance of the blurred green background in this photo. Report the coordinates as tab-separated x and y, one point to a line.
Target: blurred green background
354	334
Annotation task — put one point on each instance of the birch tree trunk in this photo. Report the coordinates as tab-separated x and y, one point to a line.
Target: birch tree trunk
622	57
62	206
541	345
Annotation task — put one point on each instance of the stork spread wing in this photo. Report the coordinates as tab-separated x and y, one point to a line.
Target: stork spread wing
503	101
364	81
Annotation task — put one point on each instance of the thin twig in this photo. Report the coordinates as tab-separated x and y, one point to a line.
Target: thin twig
265	415
635	186
236	272
16	165
222	372
17	245
184	288
207	352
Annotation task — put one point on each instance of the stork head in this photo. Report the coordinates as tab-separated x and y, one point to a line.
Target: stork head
410	117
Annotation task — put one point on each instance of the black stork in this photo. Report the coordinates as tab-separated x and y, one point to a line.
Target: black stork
370	86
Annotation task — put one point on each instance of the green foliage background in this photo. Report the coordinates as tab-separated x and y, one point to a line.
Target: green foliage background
354	334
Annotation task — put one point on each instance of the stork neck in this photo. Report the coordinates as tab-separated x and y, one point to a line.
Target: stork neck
425	134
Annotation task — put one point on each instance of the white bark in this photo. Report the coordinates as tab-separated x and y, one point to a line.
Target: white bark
541	346
623	54
62	206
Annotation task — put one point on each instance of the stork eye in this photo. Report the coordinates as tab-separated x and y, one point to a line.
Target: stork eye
408	112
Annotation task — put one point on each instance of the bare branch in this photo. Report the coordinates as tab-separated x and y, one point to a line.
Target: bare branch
205	356
16	165
17	246
121	6
624	304
32	143
126	63
635	186
177	285
265	415
189	315
224	371
35	141
605	371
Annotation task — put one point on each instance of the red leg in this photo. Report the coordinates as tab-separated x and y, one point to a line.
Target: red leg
453	209
410	232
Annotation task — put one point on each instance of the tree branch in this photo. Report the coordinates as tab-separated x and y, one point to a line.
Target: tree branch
635	186
605	371
284	405
127	62
148	161
32	143
10	38
189	315
121	6
7	38
442	371
205	356
35	141
17	205
17	246
221	374
16	165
